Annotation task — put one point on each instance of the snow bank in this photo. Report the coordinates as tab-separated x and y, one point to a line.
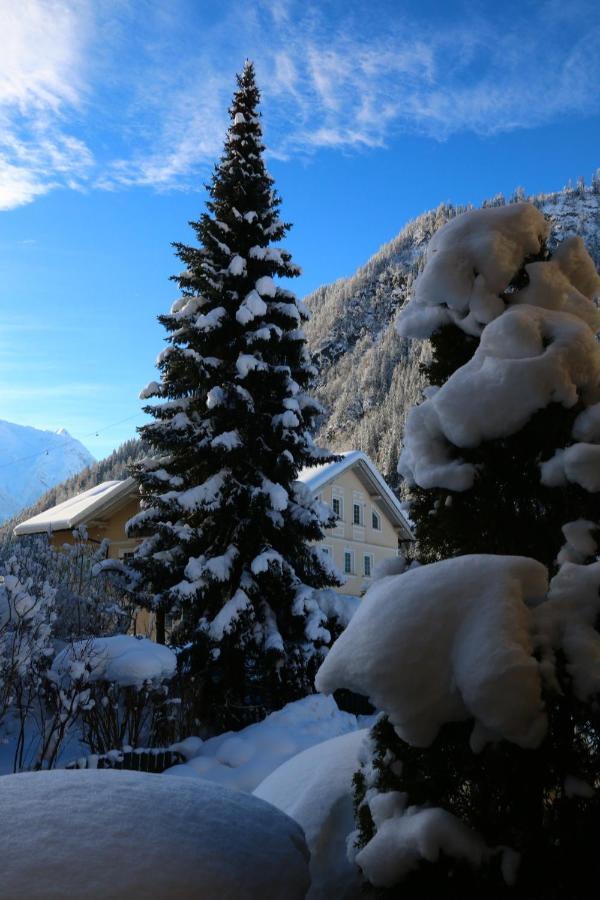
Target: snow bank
130	835
243	759
467	614
129	661
469	263
315	789
526	359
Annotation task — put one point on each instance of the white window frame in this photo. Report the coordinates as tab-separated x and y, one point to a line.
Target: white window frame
357	505
375	516
352	555
371	558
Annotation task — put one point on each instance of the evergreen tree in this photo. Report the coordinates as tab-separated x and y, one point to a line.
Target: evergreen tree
508	510
539	801
228	528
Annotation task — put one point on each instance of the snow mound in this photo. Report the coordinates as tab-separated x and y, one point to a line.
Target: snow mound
469	614
470	261
323	807
243	759
129	661
130	835
526	359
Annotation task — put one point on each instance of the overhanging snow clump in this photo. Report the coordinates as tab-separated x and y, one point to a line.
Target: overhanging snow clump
527	358
469	263
444	643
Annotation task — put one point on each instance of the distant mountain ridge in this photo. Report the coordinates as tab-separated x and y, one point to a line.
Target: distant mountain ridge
32	461
368	377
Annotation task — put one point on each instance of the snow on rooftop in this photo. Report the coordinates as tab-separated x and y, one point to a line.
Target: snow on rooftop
314	477
71	512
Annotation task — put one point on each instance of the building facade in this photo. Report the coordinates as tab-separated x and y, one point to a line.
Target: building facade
370	523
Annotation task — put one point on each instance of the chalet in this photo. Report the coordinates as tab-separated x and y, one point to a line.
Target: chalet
370	523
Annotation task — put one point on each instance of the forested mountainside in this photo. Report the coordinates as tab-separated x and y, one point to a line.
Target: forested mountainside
368	376
111	468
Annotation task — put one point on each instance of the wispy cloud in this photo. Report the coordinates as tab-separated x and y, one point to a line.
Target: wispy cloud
41	85
133	93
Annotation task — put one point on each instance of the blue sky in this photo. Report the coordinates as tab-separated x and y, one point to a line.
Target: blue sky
112	112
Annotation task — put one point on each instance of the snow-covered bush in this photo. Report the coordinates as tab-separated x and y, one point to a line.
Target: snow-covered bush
483	773
128	835
27	614
115	691
88	602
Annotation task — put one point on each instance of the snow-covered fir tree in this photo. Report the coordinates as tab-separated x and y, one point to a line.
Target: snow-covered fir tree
482	775
228	529
505	507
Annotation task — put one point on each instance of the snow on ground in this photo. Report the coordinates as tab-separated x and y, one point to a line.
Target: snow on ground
470	616
126	835
244	758
129	661
315	789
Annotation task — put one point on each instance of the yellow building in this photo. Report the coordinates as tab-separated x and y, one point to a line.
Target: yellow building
370	526
103	510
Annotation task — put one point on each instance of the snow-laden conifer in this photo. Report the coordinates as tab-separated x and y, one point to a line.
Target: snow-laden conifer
228	529
483	774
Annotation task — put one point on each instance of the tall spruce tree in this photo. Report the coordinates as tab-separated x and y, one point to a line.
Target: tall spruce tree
228	551
538	801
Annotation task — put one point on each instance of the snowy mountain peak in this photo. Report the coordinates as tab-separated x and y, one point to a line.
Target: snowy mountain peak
32	461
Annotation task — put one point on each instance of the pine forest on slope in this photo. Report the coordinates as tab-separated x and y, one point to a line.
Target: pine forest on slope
368	377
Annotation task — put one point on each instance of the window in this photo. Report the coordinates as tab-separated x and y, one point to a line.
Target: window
326	551
337	504
348	562
375	521
368	561
357	517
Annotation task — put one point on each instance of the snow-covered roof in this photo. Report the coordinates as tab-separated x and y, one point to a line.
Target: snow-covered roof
315	477
78	509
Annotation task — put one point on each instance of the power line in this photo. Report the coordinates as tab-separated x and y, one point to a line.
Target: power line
49	448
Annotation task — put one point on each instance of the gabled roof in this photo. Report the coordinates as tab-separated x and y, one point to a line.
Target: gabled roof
79	509
315	477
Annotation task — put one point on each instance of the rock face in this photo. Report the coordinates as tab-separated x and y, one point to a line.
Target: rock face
32	461
368	375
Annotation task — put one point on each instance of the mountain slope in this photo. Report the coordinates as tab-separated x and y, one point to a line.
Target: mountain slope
368	376
32	461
